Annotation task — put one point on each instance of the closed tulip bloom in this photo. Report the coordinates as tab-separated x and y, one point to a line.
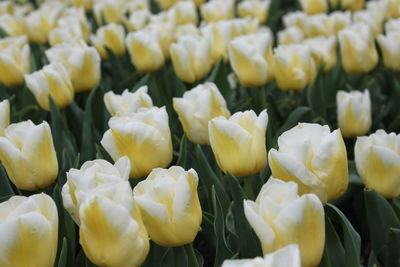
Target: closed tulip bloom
258	9
40	22
357	47
4	115
252	60
170	206
238	143
288	256
243	26
53	80
392	25
290	35
110	36
197	107
377	160
216	10
372	18
67	34
78	59
294	66
75	17
127	102
28	155
29	231
12	25
314	6
390	46
352	5
280	217
164	30
323	50
318	25
14	60
339	20
313	157
296	18
184	12
393	10
145	50
137	20
191	58
144	137
219	34
353	112
108	11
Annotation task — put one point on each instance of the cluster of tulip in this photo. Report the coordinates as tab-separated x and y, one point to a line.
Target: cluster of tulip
308	167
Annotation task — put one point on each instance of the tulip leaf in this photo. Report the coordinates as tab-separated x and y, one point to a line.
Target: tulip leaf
182	159
352	240
219	76
393	257
192	256
6	190
143	81
87	149
334	252
62	261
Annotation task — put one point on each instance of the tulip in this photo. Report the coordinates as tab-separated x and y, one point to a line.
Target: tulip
280	217
137	20
354	112
314	6
75	17
186	29
170	206
324	51
339	20
164	30
219	34
390	46
252	60
392	25
297	18
78	59
372	18
108	11
137	5
110	36
288	256
14	60
190	57
12	25
86	4
294	67
29	231
68	34
4	115
243	26
238	143
28	155
166	4
318	25
352	5
127	102
258	9
313	157
197	107
357	47
145	50
393	8
216	10
144	137
53	80
184	12
290	35
377	160
6	7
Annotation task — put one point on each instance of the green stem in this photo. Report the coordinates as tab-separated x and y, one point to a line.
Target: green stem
248	187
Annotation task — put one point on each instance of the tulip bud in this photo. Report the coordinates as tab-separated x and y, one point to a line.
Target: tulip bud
216	10
12	25
184	12
41	21
170	206
144	137
357	47
28	228
294	66
324	51
53	80
108	11
258	9
14	60
110	36
313	157
197	107
290	35
288	256
127	102
390	46
354	112
339	20
28	155
377	160
252	60
4	115
190	57
280	217
78	59
145	50
238	143
314	6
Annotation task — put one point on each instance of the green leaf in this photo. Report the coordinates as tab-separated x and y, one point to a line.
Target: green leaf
219	76
334	252
191	256
393	258
87	148
62	261
6	190
182	159
56	128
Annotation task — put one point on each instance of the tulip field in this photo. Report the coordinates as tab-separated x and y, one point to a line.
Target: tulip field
200	133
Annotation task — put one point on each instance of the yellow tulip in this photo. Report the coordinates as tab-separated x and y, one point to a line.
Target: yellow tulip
296	18
164	30
53	80
280	217
372	18
75	17
354	112
393	9
110	36
197	107
318	25
294	66
323	50
238	143
357	47
290	35
352	5
170	206
78	59
86	4
4	116
339	20
219	34
252	60
390	46
14	60
216	10
314	6
144	137
313	157
184	12
108	11
377	160
392	25
28	155
68	34
29	231
258	9
145	50
137	20
12	25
